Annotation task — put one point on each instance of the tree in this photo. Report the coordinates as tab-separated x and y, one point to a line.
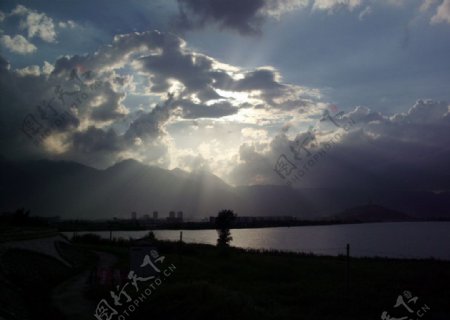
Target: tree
224	221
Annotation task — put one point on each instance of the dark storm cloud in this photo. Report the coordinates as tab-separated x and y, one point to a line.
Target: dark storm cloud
192	70
4	64
169	59
200	74
149	125
110	108
119	52
265	80
364	115
254	167
261	79
103	147
208	93
242	16
191	110
161	57
64	65
406	151
20	96
95	140
38	94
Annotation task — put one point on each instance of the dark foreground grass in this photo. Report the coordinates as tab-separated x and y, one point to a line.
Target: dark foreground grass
27	279
249	284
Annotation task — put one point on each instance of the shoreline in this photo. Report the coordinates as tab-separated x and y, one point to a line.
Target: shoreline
85	226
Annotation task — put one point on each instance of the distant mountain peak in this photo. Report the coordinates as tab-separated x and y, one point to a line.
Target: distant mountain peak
71	189
180	172
127	163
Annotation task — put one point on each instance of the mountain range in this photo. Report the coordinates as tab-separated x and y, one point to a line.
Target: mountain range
72	190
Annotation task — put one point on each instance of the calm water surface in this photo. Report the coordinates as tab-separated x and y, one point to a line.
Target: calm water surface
397	240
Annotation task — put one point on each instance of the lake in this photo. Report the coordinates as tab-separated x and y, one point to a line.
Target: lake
395	240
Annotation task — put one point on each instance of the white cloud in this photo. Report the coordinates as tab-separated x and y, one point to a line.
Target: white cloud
276	8
29	71
385	149
2	16
67	24
251	134
367	11
427	4
239	145
331	5
35	70
47	68
395	3
442	13
36	24
17	44
105	129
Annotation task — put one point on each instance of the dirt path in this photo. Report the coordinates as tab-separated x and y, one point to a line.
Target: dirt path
44	246
69	298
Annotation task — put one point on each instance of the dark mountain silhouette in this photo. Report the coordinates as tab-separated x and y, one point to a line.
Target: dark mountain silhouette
73	190
371	213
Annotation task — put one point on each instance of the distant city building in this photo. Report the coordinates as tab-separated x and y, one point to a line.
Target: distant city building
175	216
155	215
133	215
146	217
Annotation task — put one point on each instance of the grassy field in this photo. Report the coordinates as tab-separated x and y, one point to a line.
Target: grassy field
212	283
243	284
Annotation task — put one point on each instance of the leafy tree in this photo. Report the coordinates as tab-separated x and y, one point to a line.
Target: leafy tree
20	217
224	221
151	236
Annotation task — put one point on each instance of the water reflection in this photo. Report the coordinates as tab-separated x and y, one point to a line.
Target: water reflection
400	240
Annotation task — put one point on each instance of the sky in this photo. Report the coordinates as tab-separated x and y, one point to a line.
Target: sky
250	90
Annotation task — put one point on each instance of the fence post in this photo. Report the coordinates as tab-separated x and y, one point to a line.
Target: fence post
180	244
347	269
